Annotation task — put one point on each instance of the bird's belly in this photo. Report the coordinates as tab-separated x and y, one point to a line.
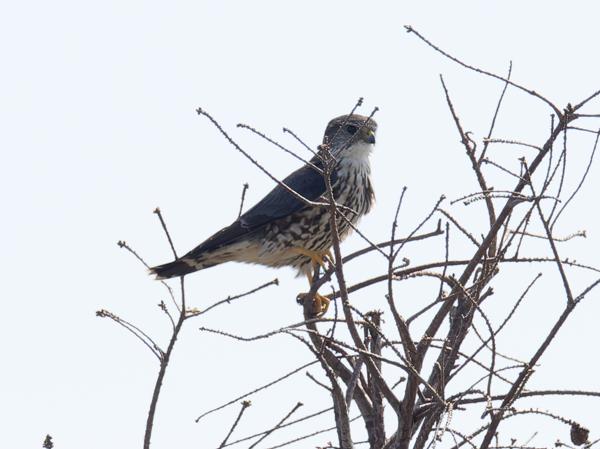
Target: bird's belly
286	241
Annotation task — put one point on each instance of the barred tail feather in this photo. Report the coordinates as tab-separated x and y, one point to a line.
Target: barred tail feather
173	269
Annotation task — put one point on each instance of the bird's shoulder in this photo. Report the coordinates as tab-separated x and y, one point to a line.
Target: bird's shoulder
307	182
277	204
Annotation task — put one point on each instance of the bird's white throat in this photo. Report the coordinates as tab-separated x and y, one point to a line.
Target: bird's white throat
357	156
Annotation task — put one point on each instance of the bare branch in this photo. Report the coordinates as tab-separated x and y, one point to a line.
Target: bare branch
410	29
295	194
245	405
256	390
512	142
314	379
519	384
136	331
278	425
164	226
290	423
244	190
581	181
489	136
470	149
281	147
123	244
163	368
230	299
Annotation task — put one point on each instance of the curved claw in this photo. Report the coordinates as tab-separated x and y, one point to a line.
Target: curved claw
320	303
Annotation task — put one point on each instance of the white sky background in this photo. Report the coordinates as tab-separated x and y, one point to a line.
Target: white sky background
98	127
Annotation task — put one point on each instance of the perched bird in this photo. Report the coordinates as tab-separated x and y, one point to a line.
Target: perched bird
281	229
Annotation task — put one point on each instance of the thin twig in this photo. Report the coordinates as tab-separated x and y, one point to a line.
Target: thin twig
500	167
164	226
295	194
561	269
470	150
512	142
136	331
299	140
382	245
123	244
163	368
527	394
486	141
459	227
244	190
410	29
229	299
281	147
278	425
353	381
587	169
521	380
556	239
256	390
319	383
585	101
245	405
304	437
420	225
291	423
499	329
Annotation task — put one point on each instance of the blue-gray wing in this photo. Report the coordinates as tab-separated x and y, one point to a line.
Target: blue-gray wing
278	203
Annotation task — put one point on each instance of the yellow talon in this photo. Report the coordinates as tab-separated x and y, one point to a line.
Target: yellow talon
317	259
329	256
321	305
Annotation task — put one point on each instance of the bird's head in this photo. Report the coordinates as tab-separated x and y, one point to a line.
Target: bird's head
351	136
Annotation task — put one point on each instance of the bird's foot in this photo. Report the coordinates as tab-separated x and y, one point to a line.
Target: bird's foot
319	306
329	257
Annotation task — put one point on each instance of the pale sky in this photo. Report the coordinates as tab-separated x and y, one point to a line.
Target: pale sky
98	127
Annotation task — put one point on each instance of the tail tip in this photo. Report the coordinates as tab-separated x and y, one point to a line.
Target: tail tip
157	277
177	268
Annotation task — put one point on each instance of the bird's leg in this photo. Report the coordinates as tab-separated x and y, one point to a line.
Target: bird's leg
321	303
317	259
329	256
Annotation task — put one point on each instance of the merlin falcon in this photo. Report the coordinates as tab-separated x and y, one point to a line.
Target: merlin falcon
281	229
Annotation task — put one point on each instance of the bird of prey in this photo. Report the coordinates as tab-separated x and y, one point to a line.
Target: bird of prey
281	229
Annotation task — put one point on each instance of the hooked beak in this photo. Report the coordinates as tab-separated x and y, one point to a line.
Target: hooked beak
370	137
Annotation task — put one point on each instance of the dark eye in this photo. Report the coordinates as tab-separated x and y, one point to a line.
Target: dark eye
351	129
